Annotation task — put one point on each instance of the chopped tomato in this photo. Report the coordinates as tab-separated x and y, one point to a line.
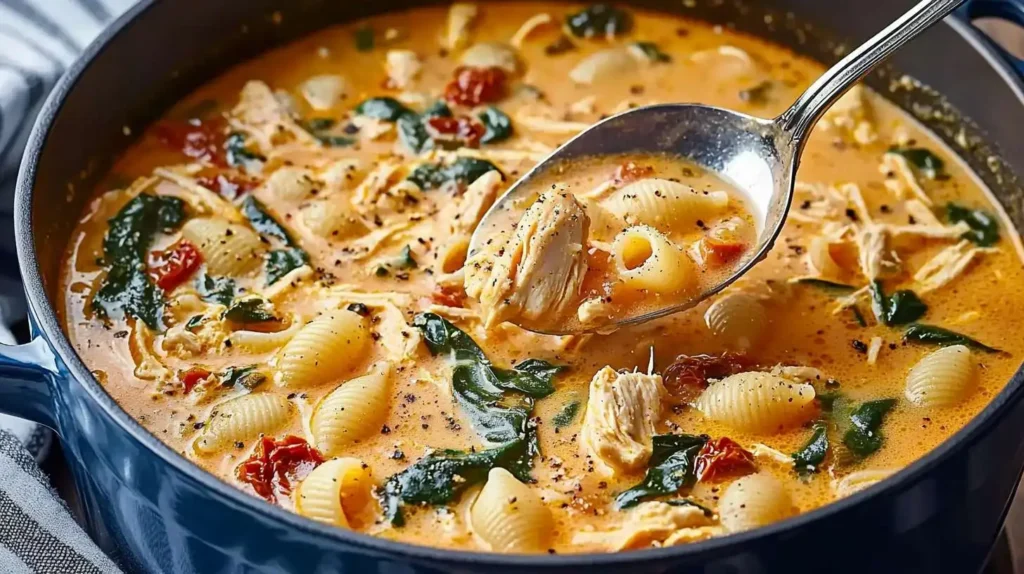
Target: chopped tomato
689	374
720	252
172	267
448	295
462	129
631	171
475	86
275	465
197	139
228	186
190	378
722	458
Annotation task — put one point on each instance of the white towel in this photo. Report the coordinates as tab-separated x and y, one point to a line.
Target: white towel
38	40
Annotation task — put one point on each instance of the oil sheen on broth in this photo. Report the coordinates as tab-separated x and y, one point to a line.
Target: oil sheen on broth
272	280
597	240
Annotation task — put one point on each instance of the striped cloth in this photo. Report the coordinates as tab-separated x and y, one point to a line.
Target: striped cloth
38	40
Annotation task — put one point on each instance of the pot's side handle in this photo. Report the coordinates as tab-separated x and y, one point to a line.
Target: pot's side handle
25	375
1009	10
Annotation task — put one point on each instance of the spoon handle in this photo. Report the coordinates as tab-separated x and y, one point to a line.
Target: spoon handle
804	113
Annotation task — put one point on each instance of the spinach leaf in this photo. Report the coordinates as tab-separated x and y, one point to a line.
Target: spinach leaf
599	20
387	109
671	469
652	52
498	126
364	39
568	414
281	262
194	321
249	311
922	159
984	226
932	335
809	458
438	109
826	285
262	221
216	289
413	134
462	171
532	377
902	307
248	377
127	287
432	479
864	437
236	153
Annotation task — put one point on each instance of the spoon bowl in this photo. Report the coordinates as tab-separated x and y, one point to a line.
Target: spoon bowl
758	157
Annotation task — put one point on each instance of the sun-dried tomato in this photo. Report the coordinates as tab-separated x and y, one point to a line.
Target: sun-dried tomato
461	130
475	86
173	266
197	139
227	185
718	252
722	458
451	296
632	171
190	378
689	374
275	465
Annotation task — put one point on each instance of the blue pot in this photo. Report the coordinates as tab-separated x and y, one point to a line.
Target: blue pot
153	511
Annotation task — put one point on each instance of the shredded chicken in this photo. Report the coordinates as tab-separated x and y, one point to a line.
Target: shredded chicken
534	278
460	18
475	202
263	117
900	178
403	67
946	266
534	22
852	115
648	524
620	420
323	92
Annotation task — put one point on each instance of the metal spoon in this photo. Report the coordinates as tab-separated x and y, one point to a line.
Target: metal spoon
758	156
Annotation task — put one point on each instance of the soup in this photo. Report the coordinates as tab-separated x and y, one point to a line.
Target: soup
273	281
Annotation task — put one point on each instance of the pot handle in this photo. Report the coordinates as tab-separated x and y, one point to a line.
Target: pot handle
25	375
1009	10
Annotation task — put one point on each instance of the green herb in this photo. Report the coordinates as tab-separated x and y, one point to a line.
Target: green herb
262	221
922	159
757	94
984	226
932	335
568	414
236	153
431	480
826	285
827	400
364	39
462	171
671	469
413	134
652	52
386	109
250	311
405	259
319	128
809	458
281	262
599	20
127	287
216	289
195	321
498	125
438	109
864	437
247	377
900	308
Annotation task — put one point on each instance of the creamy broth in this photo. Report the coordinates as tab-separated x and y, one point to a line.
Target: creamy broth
310	265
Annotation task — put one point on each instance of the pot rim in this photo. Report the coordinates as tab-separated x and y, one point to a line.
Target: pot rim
47	321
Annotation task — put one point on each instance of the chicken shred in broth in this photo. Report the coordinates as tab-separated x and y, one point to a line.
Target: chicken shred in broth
274	281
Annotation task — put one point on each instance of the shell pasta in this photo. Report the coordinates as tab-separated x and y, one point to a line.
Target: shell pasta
277	280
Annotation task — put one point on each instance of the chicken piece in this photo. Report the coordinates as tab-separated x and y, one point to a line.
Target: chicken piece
266	119
534	279
619	423
649	524
403	67
475	202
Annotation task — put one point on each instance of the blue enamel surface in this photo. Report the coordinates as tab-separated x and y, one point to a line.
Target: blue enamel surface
1012	10
155	512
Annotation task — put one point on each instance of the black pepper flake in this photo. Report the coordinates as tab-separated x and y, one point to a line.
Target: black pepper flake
199	425
359	309
851	214
859	346
385	429
239	444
